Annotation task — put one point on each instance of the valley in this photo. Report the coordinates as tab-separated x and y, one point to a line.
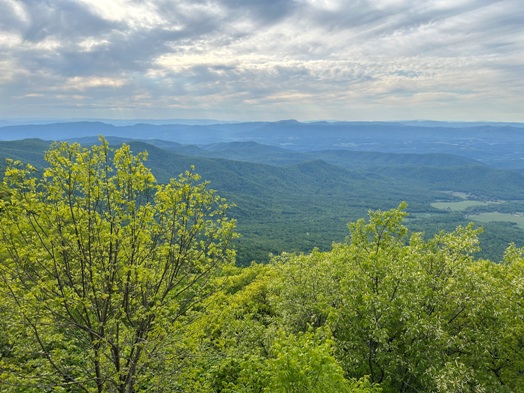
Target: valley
295	186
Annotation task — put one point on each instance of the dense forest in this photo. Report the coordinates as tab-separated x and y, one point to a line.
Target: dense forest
116	279
297	198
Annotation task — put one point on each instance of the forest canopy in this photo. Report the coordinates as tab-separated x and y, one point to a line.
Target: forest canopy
112	282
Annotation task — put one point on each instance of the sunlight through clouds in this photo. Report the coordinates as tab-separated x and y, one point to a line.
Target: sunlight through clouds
391	57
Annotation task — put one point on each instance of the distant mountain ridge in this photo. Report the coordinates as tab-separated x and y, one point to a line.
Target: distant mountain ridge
296	185
499	145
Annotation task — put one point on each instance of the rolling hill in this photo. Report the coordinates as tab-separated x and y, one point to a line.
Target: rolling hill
292	200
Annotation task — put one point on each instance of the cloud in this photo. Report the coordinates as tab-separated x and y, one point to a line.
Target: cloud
266	59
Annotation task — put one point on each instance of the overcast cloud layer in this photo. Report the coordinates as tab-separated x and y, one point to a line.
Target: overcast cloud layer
263	60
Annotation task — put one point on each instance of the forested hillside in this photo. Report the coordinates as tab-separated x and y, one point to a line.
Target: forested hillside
289	200
497	144
112	281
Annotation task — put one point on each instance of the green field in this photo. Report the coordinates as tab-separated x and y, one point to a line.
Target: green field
459	205
517	218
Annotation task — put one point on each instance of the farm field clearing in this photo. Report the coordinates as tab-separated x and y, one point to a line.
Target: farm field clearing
459	205
517	218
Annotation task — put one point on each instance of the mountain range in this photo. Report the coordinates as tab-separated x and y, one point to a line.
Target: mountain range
296	185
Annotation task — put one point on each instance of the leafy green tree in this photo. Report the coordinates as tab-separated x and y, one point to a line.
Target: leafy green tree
294	364
413	314
229	333
100	265
237	344
305	363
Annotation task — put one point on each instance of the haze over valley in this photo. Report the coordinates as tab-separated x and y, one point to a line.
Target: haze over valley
296	185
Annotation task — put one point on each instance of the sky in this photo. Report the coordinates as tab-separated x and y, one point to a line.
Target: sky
247	60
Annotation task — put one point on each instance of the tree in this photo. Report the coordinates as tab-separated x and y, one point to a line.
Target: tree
237	345
100	264
413	314
304	363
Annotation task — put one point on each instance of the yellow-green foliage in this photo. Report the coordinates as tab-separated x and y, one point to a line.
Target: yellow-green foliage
414	315
111	282
99	265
